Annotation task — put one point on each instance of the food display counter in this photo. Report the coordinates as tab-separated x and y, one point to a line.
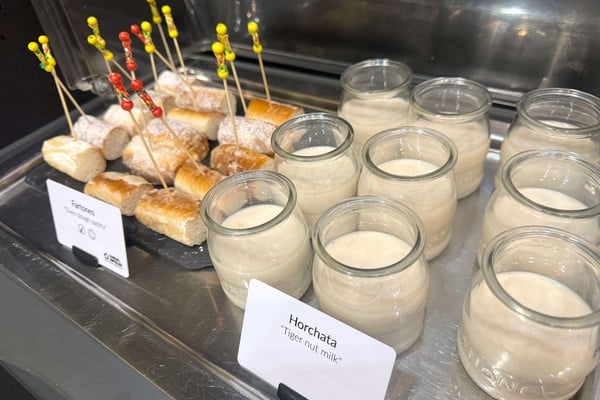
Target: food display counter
168	331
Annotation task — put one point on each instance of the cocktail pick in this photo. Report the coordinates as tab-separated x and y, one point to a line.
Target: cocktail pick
257	48
146	39
138	87
126	104
130	63
96	40
48	64
223	73
157	19
223	38
174	34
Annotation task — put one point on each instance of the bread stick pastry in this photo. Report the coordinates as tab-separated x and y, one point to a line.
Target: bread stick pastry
109	138
166	101
206	122
170	82
196	181
251	133
273	112
228	159
120	189
166	150
119	117
76	158
206	99
173	213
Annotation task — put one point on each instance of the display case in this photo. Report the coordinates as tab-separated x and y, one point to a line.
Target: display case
168	331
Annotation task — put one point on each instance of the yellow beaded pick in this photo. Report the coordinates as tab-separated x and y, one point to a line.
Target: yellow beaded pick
173	34
223	73
47	63
157	19
172	29
257	48
95	39
223	38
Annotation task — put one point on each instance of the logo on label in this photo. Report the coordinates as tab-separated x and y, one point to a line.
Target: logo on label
113	260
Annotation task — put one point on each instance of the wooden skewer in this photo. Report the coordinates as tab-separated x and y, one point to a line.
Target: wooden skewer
223	73
64	106
149	151
257	48
47	63
173	34
138	87
157	19
68	93
126	104
223	38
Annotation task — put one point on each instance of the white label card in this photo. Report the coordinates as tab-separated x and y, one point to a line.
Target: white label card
287	341
89	224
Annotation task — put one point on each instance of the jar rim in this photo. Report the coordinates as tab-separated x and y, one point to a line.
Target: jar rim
232	181
528	232
452	81
514	192
401	68
410	130
353	203
537	94
317	116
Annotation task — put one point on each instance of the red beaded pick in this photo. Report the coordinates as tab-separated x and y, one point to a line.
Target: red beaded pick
136	85
126	104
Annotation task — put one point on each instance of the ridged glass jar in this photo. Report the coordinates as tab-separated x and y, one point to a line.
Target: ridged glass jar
555	118
531	317
375	97
545	187
459	109
256	230
369	269
414	166
314	151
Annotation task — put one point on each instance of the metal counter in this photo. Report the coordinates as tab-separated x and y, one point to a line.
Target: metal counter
170	322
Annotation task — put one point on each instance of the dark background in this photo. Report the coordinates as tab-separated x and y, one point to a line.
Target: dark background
28	98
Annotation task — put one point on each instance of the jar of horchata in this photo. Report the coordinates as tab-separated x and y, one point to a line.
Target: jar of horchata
314	151
375	97
414	166
457	108
545	187
369	269
256	230
531	317
554	118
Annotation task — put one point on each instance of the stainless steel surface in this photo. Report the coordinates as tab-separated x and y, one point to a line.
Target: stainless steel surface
174	325
509	46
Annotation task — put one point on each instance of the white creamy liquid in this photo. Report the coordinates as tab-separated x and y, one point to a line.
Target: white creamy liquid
472	142
279	256
500	350
322	183
524	138
434	201
503	212
370	116
389	308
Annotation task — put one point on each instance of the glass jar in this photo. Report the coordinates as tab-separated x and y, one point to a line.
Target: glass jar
545	187
457	108
369	270
414	166
529	328
315	152
374	98
256	230
553	118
